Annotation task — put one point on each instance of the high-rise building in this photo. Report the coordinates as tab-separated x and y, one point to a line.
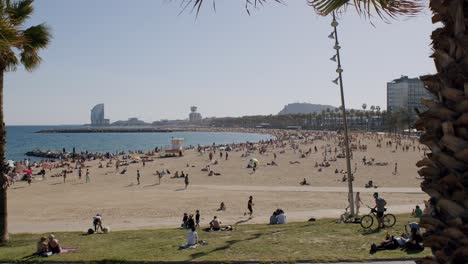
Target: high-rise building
97	116
194	117
406	93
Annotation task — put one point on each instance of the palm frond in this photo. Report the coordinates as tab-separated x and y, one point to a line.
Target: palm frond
197	4
382	8
30	58
8	60
19	11
37	37
9	36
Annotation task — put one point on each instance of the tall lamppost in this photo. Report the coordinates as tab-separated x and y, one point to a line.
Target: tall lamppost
339	80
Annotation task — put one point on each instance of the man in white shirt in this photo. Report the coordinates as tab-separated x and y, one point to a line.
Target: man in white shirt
192	237
281	219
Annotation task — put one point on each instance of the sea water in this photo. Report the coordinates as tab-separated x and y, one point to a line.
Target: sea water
21	139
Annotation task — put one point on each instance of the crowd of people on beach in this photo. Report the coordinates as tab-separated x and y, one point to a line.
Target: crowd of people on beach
302	143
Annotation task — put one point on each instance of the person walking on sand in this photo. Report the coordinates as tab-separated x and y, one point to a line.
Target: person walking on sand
358	202
197	218
64	176
79	173
227	155
395	172
88	179
250	205
186	180
160	175
138	177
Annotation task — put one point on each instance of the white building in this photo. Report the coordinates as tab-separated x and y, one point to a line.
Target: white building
406	93
97	116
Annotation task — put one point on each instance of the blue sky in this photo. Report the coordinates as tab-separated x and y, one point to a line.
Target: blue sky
142	59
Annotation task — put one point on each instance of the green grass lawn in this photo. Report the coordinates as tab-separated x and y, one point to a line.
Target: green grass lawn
323	240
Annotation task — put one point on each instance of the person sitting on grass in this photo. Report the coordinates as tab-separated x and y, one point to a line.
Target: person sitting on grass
280	217
417	212
215	224
415	241
192	237
273	219
54	245
410	242
42	247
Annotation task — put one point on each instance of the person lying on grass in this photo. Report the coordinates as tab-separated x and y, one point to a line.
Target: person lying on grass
409	242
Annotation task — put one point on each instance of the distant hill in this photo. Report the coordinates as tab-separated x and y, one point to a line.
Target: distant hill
304	108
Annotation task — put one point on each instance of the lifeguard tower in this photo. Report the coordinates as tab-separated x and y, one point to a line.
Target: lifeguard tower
176	147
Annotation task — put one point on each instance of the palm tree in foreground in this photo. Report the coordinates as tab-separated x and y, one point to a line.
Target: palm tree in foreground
445	123
17	46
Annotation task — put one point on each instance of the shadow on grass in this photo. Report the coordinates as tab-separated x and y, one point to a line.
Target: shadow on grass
228	244
412	251
29	257
243	221
367	232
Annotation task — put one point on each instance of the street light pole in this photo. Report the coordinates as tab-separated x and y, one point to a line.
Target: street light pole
334	24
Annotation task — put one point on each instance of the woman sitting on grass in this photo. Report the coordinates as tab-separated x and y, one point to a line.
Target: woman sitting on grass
42	247
215	224
54	245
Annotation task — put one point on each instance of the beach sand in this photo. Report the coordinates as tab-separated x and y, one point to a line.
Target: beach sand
51	205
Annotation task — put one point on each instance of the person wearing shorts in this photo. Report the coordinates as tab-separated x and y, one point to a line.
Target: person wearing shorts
379	207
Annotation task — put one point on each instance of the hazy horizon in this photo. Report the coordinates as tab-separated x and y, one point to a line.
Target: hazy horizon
147	61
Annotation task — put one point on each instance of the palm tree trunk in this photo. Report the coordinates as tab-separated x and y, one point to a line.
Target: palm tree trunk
4	237
445	126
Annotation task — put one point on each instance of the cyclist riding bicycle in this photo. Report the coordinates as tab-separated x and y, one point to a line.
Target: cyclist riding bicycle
379	207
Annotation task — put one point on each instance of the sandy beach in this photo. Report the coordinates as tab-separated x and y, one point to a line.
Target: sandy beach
52	205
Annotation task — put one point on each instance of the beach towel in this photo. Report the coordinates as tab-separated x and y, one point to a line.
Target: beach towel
66	250
187	247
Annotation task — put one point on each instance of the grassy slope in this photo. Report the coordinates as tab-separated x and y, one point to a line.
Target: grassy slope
323	240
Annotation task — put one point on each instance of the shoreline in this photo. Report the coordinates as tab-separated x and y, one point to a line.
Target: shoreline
55	154
156	130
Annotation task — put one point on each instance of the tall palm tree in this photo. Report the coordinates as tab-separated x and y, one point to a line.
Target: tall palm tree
17	46
378	113
444	123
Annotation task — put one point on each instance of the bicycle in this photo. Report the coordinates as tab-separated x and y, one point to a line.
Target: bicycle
367	221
